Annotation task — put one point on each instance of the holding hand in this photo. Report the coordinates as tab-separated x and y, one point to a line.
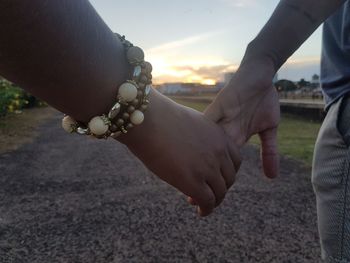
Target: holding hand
186	150
249	105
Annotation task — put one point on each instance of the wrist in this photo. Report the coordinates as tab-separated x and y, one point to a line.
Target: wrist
252	79
137	136
257	72
257	52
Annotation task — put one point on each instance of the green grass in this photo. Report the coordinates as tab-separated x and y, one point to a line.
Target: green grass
296	136
200	106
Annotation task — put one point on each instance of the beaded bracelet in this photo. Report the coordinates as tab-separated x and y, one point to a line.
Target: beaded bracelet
132	101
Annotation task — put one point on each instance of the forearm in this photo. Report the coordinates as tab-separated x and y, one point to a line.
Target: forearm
291	24
62	52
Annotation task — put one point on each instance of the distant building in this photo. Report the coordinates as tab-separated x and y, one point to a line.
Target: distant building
188	88
174	88
315	81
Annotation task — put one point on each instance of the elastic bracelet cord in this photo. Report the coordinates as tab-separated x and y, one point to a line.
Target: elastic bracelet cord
132	101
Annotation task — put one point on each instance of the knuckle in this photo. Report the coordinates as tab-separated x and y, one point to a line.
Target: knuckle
210	163
209	200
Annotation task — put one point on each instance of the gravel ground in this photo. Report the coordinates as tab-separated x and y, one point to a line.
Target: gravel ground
68	199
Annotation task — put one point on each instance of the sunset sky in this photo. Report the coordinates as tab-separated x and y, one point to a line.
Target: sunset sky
199	40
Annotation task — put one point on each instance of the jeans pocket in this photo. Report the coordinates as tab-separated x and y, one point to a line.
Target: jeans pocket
343	120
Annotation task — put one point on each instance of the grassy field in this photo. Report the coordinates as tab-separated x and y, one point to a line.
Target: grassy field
296	136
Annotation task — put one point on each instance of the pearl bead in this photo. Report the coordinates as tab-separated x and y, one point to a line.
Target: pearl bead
69	124
126	116
137	117
114	128
148	67
98	126
135	55
139	93
120	122
143	79
143	107
128	91
135	102
131	109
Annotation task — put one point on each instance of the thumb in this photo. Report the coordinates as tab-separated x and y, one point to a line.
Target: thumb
269	152
213	112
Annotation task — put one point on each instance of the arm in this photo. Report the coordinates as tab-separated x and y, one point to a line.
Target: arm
63	52
249	104
290	25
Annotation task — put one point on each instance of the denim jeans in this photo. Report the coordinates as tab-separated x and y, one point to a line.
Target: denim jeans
330	179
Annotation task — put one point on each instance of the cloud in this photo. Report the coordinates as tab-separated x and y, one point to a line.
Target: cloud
189	73
174	61
170	46
297	68
241	3
303	61
209	72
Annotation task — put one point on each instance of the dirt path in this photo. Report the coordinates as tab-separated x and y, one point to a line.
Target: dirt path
68	199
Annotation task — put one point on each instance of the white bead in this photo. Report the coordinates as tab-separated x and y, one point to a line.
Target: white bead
137	117
69	124
135	55
97	126
148	67
128	91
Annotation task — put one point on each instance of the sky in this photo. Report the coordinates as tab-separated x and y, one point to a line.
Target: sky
200	40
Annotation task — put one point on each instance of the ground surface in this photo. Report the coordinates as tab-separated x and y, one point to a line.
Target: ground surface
65	198
18	129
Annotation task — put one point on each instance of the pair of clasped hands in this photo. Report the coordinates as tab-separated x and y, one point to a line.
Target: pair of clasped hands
199	154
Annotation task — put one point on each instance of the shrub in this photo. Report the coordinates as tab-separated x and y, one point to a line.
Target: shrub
13	98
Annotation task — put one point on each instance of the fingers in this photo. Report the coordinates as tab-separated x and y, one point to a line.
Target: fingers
231	164
269	152
228	172
213	112
234	154
191	201
205	200
219	188
220	185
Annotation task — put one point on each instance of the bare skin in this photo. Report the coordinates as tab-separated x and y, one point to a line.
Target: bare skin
62	52
249	104
187	150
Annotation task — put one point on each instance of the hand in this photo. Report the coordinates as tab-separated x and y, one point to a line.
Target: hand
249	105
186	150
